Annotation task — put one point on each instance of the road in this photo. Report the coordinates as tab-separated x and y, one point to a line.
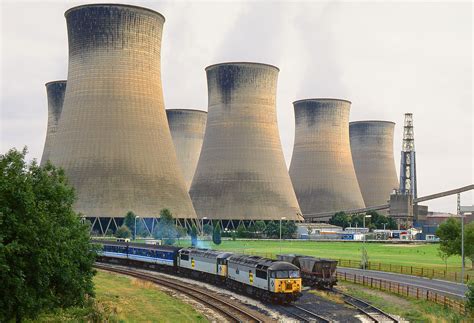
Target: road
440	286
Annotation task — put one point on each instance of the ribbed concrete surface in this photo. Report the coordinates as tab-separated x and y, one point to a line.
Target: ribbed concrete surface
241	173
187	130
321	167
113	139
55	91
372	154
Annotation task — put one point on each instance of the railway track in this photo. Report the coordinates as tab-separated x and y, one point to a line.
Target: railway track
234	312
302	314
372	312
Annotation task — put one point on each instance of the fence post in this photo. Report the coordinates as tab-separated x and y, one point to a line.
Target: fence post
417	293
422	272
390	267
408	290
371	281
455	276
411	270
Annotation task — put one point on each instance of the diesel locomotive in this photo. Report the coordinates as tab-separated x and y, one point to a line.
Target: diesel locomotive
267	279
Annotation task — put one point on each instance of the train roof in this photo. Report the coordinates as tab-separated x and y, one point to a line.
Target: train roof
261	263
138	245
207	253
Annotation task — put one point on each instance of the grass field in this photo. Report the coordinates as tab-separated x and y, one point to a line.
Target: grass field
410	309
125	299
416	255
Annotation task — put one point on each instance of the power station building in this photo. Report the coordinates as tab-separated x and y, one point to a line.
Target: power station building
187	130
372	154
55	91
241	175
113	139
321	167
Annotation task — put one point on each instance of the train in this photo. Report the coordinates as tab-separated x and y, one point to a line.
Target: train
315	272
270	280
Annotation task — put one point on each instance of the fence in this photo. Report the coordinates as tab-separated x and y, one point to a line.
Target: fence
407	270
400	269
405	290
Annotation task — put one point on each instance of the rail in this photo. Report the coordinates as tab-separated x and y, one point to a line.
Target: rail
222	305
404	290
374	313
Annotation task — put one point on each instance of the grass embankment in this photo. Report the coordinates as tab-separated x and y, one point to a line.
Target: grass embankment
411	309
125	299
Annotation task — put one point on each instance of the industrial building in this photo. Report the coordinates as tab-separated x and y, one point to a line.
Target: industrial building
372	154
321	167
113	139
55	91
187	130
241	174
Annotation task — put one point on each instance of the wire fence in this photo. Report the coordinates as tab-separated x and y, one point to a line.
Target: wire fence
405	290
392	268
407	270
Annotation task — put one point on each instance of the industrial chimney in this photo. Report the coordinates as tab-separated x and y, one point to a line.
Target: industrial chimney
55	91
113	139
372	154
187	130
321	168
241	173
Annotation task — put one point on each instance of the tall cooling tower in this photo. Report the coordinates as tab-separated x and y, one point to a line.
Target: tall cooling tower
55	91
321	168
372	153
241	173
187	129
113	139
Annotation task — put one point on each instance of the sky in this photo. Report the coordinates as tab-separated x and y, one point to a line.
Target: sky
388	58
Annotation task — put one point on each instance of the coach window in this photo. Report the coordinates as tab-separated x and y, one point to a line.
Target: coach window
184	257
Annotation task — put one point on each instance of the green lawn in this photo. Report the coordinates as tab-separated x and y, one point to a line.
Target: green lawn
125	299
419	255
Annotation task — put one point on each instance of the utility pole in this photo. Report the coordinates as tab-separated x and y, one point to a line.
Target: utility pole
462	236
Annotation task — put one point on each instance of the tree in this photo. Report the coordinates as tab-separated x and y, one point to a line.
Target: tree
340	219
46	256
241	232
449	233
470	296
272	230
259	228
288	229
123	232
216	235
194	235
166	229
207	229
129	221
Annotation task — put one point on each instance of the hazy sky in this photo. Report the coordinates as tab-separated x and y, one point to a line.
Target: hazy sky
388	58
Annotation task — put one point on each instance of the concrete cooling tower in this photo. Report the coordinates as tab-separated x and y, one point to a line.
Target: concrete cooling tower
241	173
321	168
113	139
187	130
55	91
372	153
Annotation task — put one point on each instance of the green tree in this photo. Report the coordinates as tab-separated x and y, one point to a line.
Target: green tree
216	235
340	219
207	229
449	233
259	228
46	256
470	297
194	235
123	232
166	229
241	231
272	230
129	221
288	229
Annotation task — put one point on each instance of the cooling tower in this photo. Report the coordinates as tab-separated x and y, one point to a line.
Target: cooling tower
113	139
241	173
55	91
372	154
187	130
321	168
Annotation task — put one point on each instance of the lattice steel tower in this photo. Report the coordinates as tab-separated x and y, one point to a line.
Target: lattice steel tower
408	161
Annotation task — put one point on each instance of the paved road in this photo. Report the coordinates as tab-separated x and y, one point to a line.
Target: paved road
441	286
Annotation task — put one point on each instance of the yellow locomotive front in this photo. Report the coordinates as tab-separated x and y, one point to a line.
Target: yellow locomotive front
284	281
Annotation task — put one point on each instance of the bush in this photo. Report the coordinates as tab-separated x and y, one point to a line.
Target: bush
216	235
193	234
123	232
470	297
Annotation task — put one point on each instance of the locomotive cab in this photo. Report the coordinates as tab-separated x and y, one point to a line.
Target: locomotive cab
284	278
